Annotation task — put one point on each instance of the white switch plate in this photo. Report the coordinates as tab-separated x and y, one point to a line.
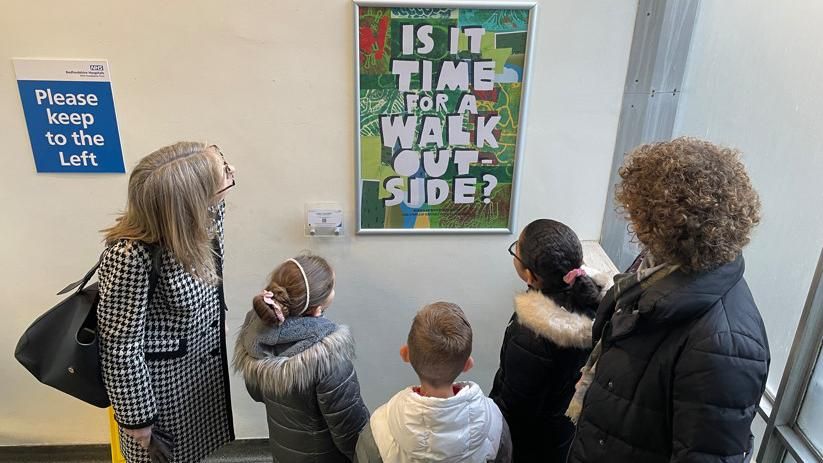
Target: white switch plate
324	220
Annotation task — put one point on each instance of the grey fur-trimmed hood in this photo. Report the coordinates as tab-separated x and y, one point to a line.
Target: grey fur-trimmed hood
549	320
298	372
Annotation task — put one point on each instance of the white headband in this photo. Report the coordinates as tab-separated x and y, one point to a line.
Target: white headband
305	280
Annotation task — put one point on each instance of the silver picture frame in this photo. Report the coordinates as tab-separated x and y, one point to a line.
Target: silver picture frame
532	6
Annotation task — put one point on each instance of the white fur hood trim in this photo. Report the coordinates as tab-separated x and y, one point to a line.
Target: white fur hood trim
549	320
301	371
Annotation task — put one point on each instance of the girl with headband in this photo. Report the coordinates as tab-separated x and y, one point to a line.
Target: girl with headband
547	341
299	364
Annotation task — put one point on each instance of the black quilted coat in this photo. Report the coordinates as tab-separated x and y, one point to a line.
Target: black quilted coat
543	349
682	371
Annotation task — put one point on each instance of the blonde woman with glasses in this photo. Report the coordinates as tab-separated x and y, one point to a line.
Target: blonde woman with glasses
162	343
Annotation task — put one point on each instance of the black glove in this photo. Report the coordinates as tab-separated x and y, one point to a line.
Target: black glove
160	446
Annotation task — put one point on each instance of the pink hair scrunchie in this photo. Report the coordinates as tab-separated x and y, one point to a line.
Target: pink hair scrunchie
268	298
572	275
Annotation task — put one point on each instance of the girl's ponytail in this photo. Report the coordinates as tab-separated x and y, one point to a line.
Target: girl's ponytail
295	286
584	293
281	296
553	253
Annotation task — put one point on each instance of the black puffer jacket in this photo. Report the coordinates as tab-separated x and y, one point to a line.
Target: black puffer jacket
543	349
682	370
309	386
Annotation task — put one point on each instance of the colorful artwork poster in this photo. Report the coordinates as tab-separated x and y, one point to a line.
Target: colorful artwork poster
439	112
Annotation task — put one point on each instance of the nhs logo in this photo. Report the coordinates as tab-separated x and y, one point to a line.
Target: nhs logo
95	67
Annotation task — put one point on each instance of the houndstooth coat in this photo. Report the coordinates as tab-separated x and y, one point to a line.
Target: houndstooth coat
164	361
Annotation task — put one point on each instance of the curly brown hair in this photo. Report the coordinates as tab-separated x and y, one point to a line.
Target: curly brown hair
690	202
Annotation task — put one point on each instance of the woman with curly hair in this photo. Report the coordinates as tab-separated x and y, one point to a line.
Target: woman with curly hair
680	353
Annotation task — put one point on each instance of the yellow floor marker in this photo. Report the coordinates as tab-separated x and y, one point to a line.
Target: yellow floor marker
114	438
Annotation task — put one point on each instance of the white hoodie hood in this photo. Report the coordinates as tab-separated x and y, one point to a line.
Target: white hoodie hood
412	428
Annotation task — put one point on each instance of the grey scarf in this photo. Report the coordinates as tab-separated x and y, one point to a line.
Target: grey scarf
627	289
292	337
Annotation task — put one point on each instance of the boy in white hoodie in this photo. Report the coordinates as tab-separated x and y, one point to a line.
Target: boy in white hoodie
439	420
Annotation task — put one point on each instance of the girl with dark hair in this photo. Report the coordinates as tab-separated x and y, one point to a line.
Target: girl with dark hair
299	364
547	340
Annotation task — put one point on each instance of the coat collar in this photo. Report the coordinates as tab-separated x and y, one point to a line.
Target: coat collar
684	296
551	321
677	297
542	315
301	371
291	337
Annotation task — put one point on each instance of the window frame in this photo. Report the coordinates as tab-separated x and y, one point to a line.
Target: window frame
782	433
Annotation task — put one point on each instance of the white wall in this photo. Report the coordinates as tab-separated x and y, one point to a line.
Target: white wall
271	82
753	82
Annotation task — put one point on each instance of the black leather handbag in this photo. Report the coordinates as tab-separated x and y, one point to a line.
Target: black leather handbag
61	347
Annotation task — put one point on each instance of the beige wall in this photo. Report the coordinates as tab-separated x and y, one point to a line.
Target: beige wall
271	82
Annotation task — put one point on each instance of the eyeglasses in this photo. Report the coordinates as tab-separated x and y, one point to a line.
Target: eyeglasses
511	251
227	169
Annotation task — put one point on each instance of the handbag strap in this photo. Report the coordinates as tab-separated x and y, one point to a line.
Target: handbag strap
154	274
218	259
156	253
82	282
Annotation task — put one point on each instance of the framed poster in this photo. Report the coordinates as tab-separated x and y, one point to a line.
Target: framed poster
442	93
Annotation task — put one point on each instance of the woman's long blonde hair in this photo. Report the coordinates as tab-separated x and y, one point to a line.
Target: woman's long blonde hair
170	192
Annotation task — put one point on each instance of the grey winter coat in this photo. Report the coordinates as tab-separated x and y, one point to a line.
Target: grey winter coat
302	371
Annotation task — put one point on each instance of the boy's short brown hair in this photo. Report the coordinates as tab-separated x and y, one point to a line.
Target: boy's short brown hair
440	343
